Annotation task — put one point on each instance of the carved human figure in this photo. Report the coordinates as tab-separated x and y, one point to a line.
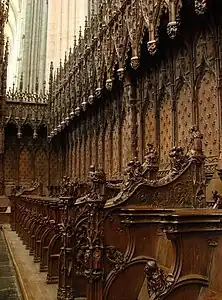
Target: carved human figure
133	172
217	200
196	142
177	159
66	187
151	157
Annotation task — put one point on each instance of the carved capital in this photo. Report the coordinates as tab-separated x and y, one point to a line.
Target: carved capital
120	73
98	93
135	62
109	84
84	105
172	29
200	6
91	99
152	47
77	111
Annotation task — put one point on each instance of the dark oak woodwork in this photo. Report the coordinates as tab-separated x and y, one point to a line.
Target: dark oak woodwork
138	104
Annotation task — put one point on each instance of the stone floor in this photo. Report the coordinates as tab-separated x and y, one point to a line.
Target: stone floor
33	283
9	289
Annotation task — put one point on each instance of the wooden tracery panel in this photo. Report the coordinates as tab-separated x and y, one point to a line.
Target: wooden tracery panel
53	168
88	156
77	158
208	114
107	151
149	124
82	158
184	115
165	130
74	159
100	149
206	91
116	150
126	141
41	166
25	168
93	148
10	166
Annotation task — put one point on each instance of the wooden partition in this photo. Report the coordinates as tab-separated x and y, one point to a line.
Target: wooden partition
142	237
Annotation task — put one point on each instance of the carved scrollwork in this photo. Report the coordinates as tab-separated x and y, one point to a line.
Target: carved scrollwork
158	282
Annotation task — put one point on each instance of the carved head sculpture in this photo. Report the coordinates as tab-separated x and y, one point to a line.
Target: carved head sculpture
150	268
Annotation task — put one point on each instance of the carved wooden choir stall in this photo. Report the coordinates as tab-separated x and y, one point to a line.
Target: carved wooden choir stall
116	165
143	238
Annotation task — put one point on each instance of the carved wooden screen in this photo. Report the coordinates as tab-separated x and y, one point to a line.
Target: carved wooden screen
77	157
165	129
184	114
116	150
25	168
148	111
10	166
82	158
126	140
41	167
101	148
88	152
53	168
207	95
107	151
74	149
183	96
93	137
